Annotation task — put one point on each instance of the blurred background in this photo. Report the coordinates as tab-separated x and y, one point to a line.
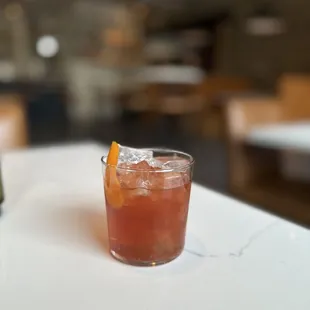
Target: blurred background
225	80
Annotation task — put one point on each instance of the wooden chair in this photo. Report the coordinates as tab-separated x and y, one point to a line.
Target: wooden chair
294	94
13	124
212	86
212	120
177	99
168	91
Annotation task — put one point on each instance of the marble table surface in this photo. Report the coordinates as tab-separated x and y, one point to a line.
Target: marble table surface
293	136
53	246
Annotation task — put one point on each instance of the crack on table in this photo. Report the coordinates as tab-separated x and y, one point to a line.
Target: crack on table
202	255
239	253
195	253
252	239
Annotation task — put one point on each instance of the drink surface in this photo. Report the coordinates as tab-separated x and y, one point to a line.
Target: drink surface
150	225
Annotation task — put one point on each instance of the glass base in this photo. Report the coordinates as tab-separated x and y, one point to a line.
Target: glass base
142	263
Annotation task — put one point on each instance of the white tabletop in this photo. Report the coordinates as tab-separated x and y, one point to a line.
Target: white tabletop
53	246
294	136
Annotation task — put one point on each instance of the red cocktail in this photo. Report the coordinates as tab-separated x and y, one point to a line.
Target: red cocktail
147	207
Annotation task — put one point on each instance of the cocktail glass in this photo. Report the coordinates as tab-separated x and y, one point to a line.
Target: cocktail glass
147	207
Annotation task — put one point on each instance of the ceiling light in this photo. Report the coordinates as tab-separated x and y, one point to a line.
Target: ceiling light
265	21
47	46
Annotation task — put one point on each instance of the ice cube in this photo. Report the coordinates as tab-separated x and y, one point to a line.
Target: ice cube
134	156
173	180
155	163
127	178
134	175
133	193
142	165
176	164
140	192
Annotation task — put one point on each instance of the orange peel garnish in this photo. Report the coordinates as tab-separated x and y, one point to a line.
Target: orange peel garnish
111	185
113	154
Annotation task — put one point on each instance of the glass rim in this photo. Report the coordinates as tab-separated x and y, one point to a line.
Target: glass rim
190	163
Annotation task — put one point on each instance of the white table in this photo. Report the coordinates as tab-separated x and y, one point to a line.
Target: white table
53	246
293	136
293	140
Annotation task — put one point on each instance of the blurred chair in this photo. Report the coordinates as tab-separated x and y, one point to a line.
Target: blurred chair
255	174
177	99
168	90
294	93
216	91
141	99
242	115
213	86
13	125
